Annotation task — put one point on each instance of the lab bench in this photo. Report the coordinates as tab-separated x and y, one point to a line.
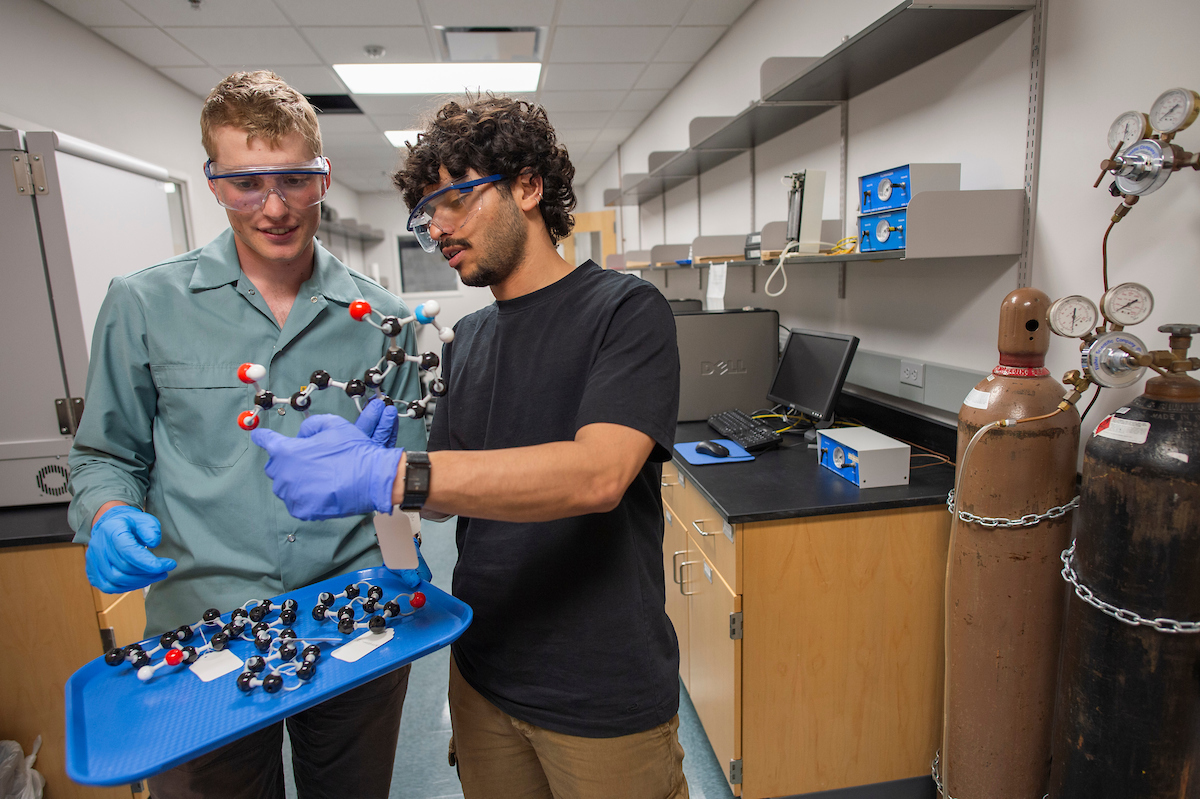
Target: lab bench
809	616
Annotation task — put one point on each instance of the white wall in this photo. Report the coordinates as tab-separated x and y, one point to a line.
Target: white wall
967	106
58	75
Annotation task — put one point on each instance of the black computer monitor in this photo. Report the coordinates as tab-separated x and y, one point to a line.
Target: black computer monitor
686	306
812	371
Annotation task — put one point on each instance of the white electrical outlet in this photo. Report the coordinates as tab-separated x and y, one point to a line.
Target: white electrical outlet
912	373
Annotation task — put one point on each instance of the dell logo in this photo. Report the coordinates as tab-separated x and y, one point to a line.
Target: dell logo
722	368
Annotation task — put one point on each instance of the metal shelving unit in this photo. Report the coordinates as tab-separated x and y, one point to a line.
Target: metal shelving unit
796	90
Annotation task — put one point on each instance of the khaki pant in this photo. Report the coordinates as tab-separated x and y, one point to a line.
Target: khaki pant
500	757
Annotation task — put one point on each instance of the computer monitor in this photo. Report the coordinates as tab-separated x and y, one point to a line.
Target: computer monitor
812	371
685	306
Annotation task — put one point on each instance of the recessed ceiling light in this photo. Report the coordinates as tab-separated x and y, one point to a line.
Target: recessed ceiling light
399	138
443	78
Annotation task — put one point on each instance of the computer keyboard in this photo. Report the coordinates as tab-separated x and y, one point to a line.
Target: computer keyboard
751	435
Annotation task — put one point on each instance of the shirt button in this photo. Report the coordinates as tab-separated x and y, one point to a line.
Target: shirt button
250	291
314	299
291	538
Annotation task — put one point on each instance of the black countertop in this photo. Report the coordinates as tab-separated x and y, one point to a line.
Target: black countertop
788	483
34	524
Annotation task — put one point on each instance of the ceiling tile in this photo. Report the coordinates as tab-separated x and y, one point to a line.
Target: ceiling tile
605	44
99	12
612	136
577	137
277	46
304	79
199	80
689	44
581	101
358	145
626	119
211	13
408	106
465	13
351	12
714	12
568	120
341	124
345	45
662	76
627	12
584	77
644	100
150	46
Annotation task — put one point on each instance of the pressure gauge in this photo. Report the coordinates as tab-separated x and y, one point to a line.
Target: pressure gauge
1074	316
1127	304
1126	129
882	231
883	190
1174	110
839	457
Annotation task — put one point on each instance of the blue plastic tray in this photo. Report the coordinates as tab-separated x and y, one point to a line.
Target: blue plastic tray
121	730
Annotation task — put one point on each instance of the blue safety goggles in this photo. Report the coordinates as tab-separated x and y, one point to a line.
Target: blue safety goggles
452	205
246	188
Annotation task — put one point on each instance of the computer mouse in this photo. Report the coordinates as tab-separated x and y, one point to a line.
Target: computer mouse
713	448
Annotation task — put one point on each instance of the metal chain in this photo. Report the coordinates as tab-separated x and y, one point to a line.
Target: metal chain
1120	614
937	778
1028	520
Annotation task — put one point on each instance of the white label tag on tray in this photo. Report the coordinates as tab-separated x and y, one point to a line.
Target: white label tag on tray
1120	411
1123	430
212	665
977	399
362	645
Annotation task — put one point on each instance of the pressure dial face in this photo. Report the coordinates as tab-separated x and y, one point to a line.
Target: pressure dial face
1174	110
882	231
1074	316
1127	304
839	457
1126	129
884	190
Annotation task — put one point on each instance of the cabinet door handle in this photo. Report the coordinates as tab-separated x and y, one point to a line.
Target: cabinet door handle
676	569
699	529
668	485
686	563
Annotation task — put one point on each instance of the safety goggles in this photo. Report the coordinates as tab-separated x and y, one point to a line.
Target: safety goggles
246	188
446	208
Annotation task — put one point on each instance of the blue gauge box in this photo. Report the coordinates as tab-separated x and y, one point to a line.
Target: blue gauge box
883	232
893	188
864	457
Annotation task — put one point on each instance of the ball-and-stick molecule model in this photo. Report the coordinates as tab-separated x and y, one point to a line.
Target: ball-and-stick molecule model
372	379
282	653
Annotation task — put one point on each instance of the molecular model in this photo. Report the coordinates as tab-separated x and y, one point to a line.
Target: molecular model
391	326
282	653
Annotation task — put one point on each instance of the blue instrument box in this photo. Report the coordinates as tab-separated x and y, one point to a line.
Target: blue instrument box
893	188
864	457
882	232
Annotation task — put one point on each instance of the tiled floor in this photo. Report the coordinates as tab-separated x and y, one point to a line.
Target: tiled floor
422	771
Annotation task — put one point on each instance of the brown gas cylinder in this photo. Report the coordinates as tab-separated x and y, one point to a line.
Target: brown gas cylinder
1127	724
1004	595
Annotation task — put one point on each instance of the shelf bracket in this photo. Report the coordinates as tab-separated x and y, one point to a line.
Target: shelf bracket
1033	141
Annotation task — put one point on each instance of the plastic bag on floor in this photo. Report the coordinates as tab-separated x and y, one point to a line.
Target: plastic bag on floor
18	779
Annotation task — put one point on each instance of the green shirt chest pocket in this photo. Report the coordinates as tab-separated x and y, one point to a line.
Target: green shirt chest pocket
199	406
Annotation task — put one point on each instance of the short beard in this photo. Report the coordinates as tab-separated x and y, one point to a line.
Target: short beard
505	244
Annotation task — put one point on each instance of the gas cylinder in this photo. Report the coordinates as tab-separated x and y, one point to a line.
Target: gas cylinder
1127	724
1004	596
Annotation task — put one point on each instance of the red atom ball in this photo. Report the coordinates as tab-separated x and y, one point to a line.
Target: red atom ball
174	657
359	309
248	420
242	370
418	600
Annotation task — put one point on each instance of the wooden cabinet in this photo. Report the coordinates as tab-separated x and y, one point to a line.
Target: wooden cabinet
836	679
55	620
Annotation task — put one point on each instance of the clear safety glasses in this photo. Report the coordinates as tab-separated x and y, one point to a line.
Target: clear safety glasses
246	188
446	208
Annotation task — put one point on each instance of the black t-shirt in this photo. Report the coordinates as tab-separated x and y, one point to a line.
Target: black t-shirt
570	630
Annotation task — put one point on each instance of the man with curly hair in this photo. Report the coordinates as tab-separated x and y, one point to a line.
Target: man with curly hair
168	493
562	406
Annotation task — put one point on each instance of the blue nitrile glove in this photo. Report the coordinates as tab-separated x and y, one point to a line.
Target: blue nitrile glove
411	578
378	422
331	469
118	558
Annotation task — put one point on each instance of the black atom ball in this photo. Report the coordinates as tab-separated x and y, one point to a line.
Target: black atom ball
114	657
272	683
243	681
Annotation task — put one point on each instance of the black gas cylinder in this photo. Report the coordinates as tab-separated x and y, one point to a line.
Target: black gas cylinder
1127	714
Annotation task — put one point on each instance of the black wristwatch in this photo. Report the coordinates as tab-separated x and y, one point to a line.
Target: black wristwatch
416	480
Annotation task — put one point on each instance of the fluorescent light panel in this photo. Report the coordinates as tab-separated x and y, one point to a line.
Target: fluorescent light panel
399	138
443	78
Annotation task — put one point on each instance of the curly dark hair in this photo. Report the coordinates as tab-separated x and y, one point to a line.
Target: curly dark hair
494	136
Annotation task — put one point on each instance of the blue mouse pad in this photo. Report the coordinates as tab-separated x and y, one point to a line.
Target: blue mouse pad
689	453
121	729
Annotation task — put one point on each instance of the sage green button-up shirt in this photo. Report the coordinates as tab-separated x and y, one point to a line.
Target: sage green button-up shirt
160	428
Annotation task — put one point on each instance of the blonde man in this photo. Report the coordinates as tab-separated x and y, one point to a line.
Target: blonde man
168	493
